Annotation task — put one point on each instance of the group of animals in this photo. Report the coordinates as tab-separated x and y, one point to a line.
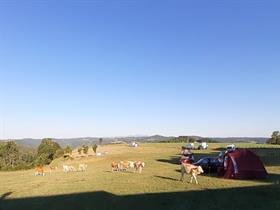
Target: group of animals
137	166
39	170
69	168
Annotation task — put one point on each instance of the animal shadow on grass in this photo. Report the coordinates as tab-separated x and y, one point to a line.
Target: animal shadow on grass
167	178
131	172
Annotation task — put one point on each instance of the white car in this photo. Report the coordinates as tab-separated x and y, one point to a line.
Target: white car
203	145
230	148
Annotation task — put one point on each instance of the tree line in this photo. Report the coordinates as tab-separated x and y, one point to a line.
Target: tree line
189	139
12	157
275	138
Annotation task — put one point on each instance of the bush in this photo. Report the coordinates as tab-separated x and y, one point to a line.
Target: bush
94	148
85	149
47	151
275	138
68	149
59	153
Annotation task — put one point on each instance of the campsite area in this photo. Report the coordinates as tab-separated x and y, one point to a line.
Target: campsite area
157	187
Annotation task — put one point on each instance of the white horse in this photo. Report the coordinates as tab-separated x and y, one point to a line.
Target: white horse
192	170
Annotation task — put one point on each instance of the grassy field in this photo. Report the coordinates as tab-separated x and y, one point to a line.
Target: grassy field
156	188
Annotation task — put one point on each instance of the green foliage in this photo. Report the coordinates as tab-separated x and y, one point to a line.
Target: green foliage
68	150
9	155
208	140
41	160
275	138
12	159
58	153
94	148
26	160
181	139
189	139
47	151
85	149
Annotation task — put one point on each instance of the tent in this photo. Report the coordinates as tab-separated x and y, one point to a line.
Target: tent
243	164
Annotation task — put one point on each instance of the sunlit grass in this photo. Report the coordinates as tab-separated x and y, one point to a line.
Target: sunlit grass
159	175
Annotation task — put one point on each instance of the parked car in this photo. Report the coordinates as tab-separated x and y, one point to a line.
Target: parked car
209	164
203	145
221	156
230	148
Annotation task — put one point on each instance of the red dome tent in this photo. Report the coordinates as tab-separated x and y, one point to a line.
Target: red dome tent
243	164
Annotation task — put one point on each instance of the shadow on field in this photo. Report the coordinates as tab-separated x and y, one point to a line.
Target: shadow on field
167	178
260	197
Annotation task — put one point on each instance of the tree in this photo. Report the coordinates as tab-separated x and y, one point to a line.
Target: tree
68	149
11	158
100	141
85	149
9	155
80	151
94	148
47	151
27	160
58	153
275	138
42	159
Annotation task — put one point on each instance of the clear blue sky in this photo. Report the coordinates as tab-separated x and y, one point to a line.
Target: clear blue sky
110	68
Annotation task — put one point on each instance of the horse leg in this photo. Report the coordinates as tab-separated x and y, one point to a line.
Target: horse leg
195	179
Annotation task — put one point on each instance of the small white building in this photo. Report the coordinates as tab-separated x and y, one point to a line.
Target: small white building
133	144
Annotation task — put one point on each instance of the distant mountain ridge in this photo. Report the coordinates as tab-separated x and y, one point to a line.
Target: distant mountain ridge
76	142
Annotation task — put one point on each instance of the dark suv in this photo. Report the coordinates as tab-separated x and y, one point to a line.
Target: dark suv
209	164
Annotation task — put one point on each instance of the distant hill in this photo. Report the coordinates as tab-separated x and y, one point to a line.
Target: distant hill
76	142
241	139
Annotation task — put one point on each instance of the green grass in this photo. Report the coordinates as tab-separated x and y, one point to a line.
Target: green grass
156	188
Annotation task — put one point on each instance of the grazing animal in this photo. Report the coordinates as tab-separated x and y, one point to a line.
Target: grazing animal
39	171
192	170
82	167
138	166
125	165
115	166
52	168
68	168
